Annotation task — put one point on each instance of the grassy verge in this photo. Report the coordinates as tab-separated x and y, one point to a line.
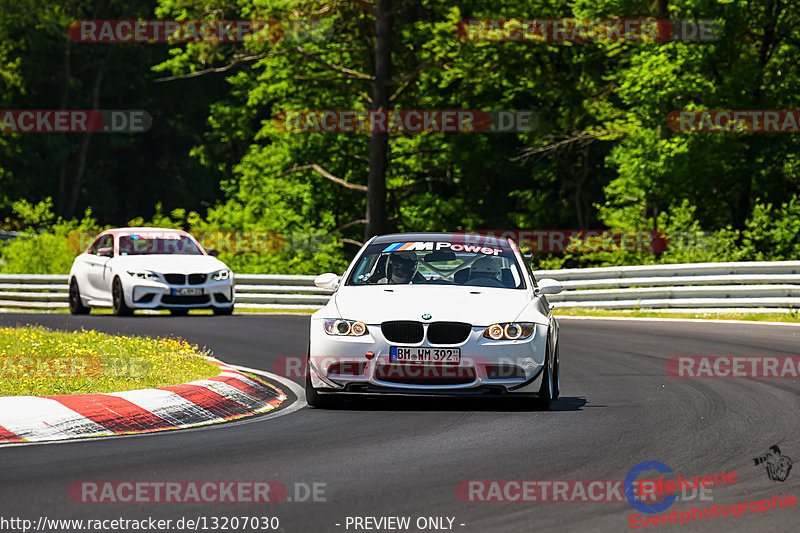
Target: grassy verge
757	317
39	361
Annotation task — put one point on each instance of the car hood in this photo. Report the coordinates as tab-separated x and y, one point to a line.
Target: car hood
480	306
170	263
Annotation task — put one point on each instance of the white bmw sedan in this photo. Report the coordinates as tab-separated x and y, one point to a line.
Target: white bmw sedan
435	314
149	268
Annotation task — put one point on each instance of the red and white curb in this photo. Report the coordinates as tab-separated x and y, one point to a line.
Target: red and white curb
228	396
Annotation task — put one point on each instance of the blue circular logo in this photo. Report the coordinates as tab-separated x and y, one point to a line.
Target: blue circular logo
630	479
426	316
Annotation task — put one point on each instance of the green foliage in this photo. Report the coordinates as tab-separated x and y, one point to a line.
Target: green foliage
601	156
49	250
773	233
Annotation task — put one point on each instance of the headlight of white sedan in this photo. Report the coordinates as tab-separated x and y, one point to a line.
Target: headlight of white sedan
337	326
221	275
142	274
511	331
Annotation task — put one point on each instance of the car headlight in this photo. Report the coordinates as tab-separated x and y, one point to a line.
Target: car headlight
221	275
511	331
337	326
142	274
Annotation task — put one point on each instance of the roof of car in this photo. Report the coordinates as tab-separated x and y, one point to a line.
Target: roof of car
398	237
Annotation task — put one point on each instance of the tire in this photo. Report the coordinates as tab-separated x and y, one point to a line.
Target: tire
179	312
118	299
76	306
223	311
557	376
545	397
314	398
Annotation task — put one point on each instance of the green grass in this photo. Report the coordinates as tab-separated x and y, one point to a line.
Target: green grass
757	317
36	361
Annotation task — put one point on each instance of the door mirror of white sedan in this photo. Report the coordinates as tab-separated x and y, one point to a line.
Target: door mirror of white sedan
105	252
329	280
549	286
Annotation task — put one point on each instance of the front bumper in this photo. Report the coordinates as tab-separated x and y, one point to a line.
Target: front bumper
487	367
157	294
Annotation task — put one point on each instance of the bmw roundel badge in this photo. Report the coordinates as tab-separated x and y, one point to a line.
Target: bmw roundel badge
426	316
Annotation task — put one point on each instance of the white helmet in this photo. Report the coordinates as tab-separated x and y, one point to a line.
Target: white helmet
401	266
485	267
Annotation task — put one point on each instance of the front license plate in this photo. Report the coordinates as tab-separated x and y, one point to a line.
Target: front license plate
424	355
188	291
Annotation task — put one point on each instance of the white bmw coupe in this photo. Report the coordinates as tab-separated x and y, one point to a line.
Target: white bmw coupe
440	314
149	268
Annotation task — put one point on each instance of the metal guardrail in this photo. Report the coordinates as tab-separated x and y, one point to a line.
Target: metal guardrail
757	286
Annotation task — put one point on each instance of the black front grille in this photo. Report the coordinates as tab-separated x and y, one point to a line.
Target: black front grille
197	279
406	332
175	279
184	300
448	332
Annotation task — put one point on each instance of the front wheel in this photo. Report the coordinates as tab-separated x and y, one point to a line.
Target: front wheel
556	376
546	394
314	398
118	299
76	306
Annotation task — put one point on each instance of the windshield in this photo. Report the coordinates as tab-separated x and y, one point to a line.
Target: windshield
143	244
438	263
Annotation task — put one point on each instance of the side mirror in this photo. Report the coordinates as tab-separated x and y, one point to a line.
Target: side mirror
212	252
329	280
105	252
549	286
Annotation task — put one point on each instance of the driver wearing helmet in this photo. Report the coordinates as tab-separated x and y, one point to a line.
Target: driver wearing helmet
402	268
486	268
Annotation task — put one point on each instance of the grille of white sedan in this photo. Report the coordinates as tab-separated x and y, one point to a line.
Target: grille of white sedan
411	332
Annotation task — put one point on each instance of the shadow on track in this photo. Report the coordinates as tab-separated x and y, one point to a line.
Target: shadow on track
503	404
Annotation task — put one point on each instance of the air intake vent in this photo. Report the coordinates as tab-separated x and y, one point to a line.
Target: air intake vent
185	300
425	374
405	332
448	332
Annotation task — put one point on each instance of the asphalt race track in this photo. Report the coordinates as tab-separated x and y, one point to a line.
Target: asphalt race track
406	458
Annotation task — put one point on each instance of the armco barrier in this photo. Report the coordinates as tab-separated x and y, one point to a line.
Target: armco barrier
757	286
